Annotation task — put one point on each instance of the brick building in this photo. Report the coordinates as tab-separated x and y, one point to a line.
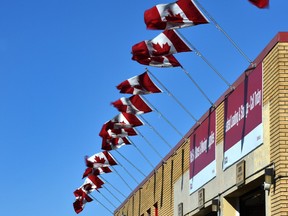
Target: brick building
235	162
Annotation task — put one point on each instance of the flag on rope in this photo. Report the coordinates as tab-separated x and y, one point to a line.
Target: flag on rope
179	14
94	180
260	3
108	126
121	121
101	159
81	196
166	43
126	120
96	171
159	61
123	132
133	105
116	133
114	143
141	84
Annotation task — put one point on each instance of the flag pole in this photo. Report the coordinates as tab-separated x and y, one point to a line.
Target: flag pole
113	187
150	144
154	108
198	53
142	154
107	199
224	32
165	141
101	204
112	194
129	173
130	163
122	179
171	95
197	86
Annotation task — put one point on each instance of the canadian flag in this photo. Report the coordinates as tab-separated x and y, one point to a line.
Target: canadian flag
96	171
133	105
123	132
114	143
180	14
116	133
260	3
81	196
126	120
121	121
95	181
158	61
141	84
166	43
101	159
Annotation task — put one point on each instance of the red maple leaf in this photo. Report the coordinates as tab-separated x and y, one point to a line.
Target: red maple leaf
99	159
161	51
174	18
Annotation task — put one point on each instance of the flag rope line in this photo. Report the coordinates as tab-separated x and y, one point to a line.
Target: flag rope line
122	179
161	115
151	127
150	144
101	204
112	194
224	32
198	53
107	200
142	154
131	163
128	173
171	95
197	86
113	187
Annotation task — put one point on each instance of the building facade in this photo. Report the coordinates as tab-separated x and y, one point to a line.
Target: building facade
235	161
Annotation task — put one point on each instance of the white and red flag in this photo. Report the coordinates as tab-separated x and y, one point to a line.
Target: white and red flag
101	159
141	84
179	14
114	143
123	132
126	120
81	196
166	43
158	61
96	171
260	3
133	105
116	133
121	121
95	181
106	129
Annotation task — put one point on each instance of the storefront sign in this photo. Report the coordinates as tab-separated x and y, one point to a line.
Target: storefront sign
202	154
243	119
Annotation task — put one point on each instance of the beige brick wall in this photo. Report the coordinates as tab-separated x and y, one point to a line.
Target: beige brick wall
159	188
275	80
220	123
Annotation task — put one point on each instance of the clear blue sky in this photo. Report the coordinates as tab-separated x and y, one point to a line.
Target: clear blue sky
59	64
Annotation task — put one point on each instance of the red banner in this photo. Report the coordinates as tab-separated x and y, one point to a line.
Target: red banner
202	153
243	118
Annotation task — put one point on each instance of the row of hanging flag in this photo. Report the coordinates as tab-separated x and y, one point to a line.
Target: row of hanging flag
156	52
114	134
